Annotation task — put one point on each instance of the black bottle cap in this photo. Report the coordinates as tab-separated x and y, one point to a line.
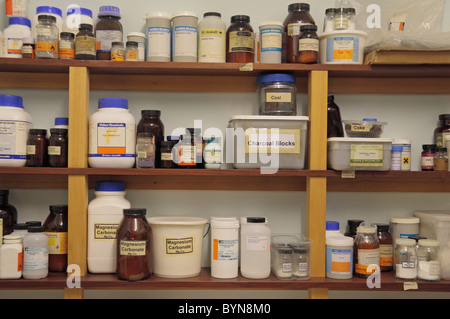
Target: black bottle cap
135	211
240	18
298	7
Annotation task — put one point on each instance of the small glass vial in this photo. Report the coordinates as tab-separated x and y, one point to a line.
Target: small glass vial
37	148
11	257
145	151
133	246
35	258
340	19
117	51
56	228
168	154
283	268
427	157
405	258
440	162
308	45
28	48
67	46
351	18
47	38
366	249
132	51
85	43
328	24
58	148
429	266
301	262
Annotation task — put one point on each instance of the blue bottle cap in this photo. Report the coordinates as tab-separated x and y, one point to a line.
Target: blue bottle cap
20	21
11	100
276	77
332	225
78	10
370	120
111	186
61	121
48	9
113	102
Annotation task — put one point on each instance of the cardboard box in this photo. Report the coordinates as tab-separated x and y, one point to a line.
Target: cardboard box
384	56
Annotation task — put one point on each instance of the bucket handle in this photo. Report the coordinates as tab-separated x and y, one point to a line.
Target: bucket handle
209	227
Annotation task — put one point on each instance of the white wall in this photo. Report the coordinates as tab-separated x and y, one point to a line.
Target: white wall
408	116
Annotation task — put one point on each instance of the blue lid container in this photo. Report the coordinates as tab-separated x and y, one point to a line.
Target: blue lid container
11	100
110	186
113	102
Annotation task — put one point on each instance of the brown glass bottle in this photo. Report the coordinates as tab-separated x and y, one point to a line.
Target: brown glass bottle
133	246
308	47
334	127
37	148
167	156
58	148
56	228
442	130
150	122
85	43
298	15
8	213
107	30
352	225
386	247
240	41
366	250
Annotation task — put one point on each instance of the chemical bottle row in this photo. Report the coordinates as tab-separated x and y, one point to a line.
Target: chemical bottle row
33	249
178	37
366	249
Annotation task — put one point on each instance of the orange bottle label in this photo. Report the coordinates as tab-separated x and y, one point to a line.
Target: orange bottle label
47	47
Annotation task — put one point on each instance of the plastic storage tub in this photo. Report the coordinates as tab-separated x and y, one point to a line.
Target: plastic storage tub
369	154
434	224
342	47
258	144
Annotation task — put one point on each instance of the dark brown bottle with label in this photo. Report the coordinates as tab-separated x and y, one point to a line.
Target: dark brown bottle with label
150	122
240	41
8	213
308	45
37	148
133	246
108	30
58	148
334	127
386	247
56	228
298	15
85	43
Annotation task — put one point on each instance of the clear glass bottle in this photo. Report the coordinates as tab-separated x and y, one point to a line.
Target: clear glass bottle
301	262
47	38
328	23
284	265
150	122
429	266
351	18
405	259
56	228
366	250
145	151
340	19
441	159
117	51
132	51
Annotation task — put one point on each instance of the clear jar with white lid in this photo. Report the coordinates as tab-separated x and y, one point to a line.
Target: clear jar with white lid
47	10
328	23
47	38
277	94
429	265
405	259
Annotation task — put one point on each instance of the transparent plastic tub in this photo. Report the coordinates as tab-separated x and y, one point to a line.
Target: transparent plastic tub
364	129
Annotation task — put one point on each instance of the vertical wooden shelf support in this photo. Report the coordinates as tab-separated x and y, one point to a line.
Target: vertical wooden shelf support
316	188
78	184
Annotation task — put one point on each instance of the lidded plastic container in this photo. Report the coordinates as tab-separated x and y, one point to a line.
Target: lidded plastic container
339	257
15	123
35	258
158	33
11	257
185	37
277	94
212	38
50	11
224	247
332	228
404	227
19	28
105	212
75	17
368	127
138	37
112	135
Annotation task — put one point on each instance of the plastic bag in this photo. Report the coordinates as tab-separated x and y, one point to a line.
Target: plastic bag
402	24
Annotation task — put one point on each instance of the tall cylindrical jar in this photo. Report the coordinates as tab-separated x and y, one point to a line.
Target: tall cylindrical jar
105	212
386	247
112	135
298	15
212	38
270	41
19	28
133	246
15	122
150	122
56	228
37	148
159	32
405	259
339	257
185	37
35	257
255	248
11	257
58	148
429	264
366	251
107	30
240	42
47	38
224	247
85	45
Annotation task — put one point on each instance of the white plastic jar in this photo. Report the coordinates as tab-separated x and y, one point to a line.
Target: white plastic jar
11	260
185	37
15	123
339	257
224	247
270	42
76	16
16	8
35	258
19	28
255	248
159	33
212	38
138	37
105	212
112	135
50	11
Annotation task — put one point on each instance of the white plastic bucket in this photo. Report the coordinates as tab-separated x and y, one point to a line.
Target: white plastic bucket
342	47
177	245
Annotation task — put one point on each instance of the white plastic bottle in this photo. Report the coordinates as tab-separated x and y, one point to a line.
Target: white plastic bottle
211	38
19	28
35	258
11	259
76	16
16	8
255	248
332	228
112	135
47	10
224	247
105	212
15	123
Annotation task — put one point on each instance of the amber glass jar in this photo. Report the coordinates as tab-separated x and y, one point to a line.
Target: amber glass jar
150	122
442	130
37	148
308	47
108	30
386	247
352	225
8	213
366	250
298	15
58	148
334	127
85	43
133	246
56	228
167	156
240	40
